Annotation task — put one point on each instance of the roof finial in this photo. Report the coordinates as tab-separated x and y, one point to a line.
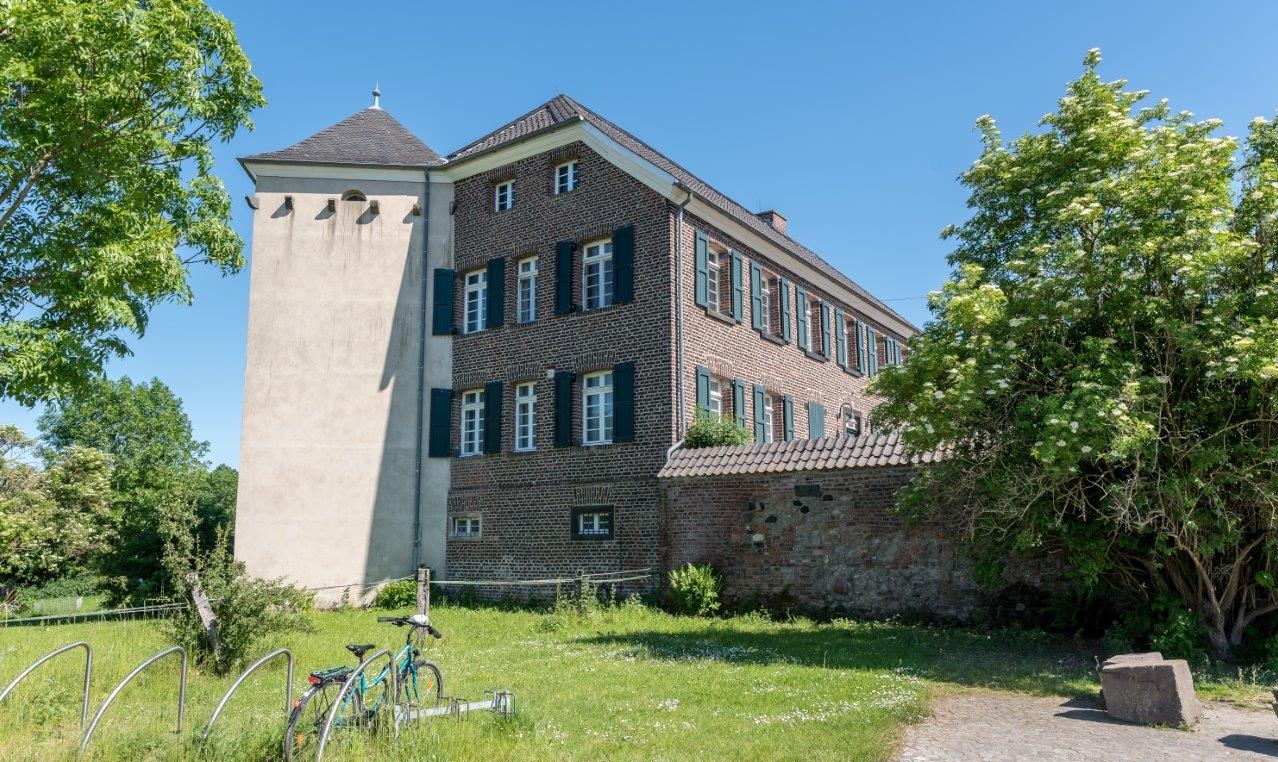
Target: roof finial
377	96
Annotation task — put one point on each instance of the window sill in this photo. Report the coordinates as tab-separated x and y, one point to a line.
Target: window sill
853	372
815	356
464	537
772	337
722	317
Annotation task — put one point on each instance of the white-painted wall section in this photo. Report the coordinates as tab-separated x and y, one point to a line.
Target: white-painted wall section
330	429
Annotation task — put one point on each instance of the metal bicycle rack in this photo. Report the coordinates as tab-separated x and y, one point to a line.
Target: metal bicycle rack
288	688
88	732
346	687
502	703
88	673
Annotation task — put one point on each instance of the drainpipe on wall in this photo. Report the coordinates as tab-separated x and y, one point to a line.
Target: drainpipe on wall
679	380
421	380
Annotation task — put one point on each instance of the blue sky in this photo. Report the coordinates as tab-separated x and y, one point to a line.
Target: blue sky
853	121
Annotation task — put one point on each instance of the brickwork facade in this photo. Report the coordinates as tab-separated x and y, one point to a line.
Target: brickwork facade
525	499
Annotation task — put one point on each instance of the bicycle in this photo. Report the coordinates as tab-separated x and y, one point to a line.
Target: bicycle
417	680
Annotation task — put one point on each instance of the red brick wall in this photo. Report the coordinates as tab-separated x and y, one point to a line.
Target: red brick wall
525	499
824	540
730	350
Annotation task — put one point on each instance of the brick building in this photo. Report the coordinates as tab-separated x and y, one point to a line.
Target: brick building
555	302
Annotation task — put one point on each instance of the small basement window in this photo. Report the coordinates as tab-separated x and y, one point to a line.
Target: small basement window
592	523
354	195
466	526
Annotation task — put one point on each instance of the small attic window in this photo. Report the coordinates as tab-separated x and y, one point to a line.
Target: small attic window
354	195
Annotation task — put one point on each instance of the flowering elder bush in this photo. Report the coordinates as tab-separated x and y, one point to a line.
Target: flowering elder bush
1104	359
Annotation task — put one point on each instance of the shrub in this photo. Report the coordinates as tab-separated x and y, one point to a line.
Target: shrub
709	430
400	594
695	589
246	609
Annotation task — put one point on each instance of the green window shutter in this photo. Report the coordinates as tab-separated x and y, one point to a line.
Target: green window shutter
702	254
442	317
736	286
787	403
862	362
703	390
801	310
738	402
825	330
623	264
563	408
492	418
787	329
563	277
760	425
623	402
496	292
841	337
756	296
441	423
872	348
816	421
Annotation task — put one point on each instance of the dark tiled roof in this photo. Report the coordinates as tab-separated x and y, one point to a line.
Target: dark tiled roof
371	137
561	109
799	455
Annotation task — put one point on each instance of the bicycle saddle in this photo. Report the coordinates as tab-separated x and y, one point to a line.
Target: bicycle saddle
359	649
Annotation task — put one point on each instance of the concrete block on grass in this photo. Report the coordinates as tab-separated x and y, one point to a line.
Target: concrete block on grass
1149	690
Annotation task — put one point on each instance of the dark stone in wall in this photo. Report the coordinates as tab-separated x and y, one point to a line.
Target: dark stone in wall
807	490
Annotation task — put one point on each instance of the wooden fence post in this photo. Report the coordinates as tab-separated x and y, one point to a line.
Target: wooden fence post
205	610
423	590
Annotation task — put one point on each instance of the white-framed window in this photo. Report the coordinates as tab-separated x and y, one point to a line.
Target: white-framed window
526	309
504	196
841	350
765	303
466	526
596	274
526	417
472	422
566	177
716	397
714	275
769	429
592	523
596	403
807	322
476	300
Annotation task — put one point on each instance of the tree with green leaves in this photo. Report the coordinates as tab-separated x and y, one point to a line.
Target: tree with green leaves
53	520
1104	360
107	194
160	483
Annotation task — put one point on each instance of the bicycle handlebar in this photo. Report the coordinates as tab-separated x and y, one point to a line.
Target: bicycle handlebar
400	621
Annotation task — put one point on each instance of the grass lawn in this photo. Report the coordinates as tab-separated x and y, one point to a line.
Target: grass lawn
619	684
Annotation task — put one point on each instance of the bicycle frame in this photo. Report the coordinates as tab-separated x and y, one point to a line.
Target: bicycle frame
402	662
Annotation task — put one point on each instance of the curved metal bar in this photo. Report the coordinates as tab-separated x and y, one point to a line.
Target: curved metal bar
88	732
288	687
346	687
88	673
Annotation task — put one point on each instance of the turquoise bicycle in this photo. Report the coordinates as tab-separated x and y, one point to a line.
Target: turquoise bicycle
418	681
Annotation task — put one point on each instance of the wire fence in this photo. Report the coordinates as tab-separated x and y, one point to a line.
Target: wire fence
165	608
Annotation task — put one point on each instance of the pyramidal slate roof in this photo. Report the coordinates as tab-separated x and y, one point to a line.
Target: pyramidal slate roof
368	137
562	108
824	454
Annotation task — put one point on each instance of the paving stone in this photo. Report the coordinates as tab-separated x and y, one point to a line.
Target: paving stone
1000	727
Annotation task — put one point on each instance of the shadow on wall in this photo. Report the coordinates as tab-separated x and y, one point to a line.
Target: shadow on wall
390	533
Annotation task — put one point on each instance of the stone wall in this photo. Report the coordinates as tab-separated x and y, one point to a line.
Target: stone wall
818	540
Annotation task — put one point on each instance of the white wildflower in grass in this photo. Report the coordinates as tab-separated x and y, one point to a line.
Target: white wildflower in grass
669	705
1085	449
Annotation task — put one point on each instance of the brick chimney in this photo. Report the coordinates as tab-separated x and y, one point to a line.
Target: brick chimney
773	218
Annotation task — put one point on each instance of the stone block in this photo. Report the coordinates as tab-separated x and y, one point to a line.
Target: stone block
1149	690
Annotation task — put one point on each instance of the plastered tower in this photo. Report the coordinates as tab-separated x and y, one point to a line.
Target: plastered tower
336	494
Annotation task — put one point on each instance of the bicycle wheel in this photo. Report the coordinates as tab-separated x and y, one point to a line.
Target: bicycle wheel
421	685
306	721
